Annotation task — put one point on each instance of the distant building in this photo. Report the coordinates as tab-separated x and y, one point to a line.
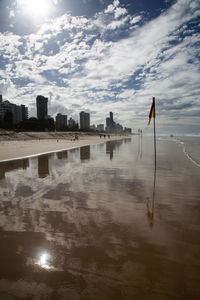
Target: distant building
107	123
112	127
100	127
71	123
111	118
84	120
93	127
128	130
5	106
42	109
110	124
61	122
19	112
118	128
24	112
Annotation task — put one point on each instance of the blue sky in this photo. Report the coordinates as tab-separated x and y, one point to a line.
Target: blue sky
102	56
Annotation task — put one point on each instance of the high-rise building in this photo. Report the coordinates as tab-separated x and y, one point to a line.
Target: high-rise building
71	123
100	127
24	112
84	120
42	109
93	127
111	118
61	122
19	112
5	106
107	123
110	124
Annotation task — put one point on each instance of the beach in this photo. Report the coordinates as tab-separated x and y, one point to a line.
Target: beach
100	222
21	145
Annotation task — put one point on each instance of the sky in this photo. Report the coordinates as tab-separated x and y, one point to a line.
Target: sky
103	55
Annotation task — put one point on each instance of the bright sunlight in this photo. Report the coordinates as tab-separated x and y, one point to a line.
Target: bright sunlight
36	8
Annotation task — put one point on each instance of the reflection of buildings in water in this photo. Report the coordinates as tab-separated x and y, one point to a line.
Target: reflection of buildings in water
109	149
100	146
62	155
12	165
43	166
85	153
73	151
127	140
111	146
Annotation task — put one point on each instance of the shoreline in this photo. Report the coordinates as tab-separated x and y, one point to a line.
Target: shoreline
20	149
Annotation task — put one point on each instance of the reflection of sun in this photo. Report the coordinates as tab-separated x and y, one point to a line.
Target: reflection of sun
36	8
44	260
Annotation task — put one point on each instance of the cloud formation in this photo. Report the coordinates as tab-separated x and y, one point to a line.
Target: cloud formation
113	61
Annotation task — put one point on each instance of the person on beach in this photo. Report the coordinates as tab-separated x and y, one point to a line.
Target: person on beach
75	138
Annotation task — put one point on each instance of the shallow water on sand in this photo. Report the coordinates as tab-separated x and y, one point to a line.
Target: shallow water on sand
99	223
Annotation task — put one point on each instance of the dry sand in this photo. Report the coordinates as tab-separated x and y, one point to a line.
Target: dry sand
29	144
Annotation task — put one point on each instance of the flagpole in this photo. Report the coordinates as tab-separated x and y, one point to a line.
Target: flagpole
154	123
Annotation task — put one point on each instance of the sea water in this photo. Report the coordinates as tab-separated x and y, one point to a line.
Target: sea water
190	145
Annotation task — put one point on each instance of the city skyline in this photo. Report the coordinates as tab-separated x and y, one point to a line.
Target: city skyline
101	56
20	113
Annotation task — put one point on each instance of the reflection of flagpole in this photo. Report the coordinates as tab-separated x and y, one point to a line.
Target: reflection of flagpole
150	209
150	204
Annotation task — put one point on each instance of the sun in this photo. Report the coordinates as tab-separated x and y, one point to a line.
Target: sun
35	8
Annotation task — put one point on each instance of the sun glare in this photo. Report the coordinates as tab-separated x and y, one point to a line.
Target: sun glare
35	8
44	260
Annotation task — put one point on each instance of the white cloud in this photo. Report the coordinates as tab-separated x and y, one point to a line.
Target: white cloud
11	13
135	20
120	11
109	9
118	23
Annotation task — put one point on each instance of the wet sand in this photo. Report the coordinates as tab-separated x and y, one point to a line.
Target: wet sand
98	222
25	148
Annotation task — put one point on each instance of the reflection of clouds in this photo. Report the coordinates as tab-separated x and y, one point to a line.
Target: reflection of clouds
81	192
23	191
12	165
82	196
57	193
86	219
23	289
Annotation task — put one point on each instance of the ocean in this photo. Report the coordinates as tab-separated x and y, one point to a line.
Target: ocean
190	146
100	222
